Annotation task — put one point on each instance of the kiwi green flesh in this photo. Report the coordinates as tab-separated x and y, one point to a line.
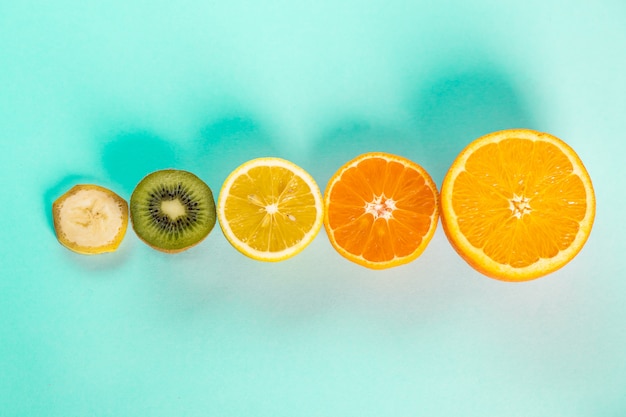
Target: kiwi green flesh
186	197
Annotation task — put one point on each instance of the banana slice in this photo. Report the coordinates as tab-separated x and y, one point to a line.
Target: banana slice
90	219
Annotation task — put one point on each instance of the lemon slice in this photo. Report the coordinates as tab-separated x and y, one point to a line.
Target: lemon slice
90	219
270	209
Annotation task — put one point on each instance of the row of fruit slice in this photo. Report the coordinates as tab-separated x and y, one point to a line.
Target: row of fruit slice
515	204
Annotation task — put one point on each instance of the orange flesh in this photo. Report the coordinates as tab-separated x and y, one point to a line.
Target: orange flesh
410	207
528	209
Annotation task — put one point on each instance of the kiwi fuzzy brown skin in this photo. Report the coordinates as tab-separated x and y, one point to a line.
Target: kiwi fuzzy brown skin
169	183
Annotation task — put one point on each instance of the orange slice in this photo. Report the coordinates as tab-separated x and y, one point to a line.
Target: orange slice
381	210
517	204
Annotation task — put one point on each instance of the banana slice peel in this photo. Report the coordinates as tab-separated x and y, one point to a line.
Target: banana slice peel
90	219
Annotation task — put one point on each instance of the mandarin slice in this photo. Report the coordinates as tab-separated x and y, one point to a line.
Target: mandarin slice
381	210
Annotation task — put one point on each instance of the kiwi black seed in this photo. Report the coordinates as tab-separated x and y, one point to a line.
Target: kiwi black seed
172	210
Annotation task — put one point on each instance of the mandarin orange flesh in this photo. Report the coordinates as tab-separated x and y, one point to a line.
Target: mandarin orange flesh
401	210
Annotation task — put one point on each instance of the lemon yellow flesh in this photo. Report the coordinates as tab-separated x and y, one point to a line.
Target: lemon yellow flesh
270	211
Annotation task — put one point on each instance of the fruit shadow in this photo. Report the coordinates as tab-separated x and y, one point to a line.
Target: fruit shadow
132	155
459	104
351	137
225	143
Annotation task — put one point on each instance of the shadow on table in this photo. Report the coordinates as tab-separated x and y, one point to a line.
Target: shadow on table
131	155
451	108
225	143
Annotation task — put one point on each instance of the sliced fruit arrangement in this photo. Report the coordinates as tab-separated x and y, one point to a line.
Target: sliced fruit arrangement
381	210
270	209
517	204
172	210
90	219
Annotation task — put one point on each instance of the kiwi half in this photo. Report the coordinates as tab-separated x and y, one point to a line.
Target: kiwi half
172	210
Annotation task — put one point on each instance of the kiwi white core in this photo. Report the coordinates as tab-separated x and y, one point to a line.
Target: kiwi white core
173	208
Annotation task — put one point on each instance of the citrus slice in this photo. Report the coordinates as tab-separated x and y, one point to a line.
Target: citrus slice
90	219
270	209
381	210
517	204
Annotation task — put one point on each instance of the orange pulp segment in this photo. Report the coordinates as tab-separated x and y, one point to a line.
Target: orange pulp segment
517	204
381	210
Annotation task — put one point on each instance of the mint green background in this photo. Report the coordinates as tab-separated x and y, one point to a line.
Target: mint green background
106	92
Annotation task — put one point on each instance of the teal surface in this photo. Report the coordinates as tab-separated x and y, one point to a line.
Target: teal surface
105	92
